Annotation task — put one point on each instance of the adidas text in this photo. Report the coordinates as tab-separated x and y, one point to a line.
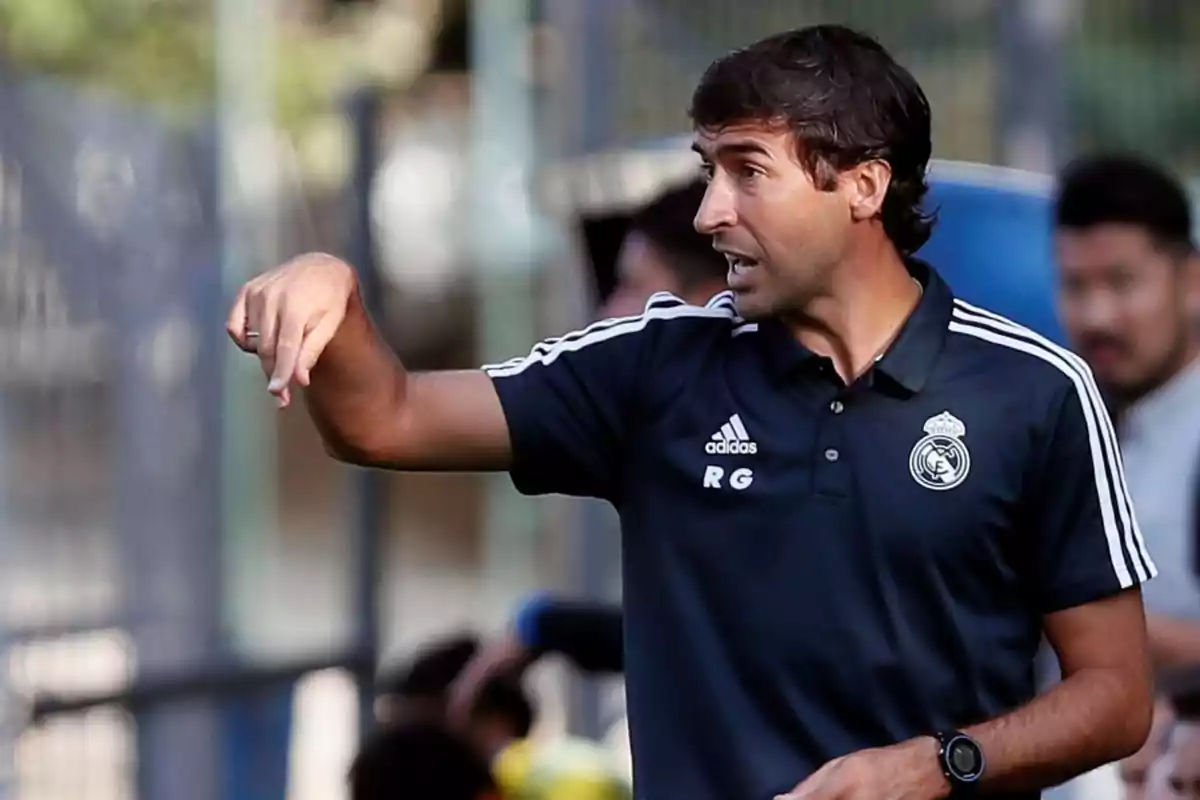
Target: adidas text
724	448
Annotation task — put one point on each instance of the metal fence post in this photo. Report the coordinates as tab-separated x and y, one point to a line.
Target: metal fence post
587	92
1032	98
502	252
368	487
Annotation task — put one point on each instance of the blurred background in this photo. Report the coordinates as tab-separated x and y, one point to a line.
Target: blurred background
194	599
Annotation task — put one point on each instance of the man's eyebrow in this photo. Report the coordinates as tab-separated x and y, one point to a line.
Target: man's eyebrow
735	148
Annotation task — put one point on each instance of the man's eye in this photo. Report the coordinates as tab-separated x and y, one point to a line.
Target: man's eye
1121	281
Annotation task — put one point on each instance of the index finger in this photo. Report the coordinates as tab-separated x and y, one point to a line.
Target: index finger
235	323
288	340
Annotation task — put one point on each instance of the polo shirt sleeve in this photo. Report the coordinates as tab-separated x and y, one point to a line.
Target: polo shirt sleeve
1088	545
569	404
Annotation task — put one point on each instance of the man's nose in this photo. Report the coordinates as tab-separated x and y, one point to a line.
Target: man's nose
1091	313
716	210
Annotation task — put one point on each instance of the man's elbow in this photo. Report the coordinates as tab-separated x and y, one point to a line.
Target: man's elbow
372	438
349	452
1131	727
364	450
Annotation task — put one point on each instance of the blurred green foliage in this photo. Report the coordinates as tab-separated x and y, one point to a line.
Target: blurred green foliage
161	53
148	50
1132	65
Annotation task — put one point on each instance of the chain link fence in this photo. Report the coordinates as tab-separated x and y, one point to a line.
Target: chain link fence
107	242
1109	73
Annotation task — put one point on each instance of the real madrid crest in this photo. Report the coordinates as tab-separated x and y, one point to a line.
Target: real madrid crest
939	460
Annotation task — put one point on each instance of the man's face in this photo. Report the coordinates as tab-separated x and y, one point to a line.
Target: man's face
781	233
1125	304
1176	775
640	273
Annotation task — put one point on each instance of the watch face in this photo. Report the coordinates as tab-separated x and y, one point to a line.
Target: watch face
964	759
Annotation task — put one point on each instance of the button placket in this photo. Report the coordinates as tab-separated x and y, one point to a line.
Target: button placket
832	476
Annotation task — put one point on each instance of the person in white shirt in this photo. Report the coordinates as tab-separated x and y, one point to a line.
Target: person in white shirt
1130	299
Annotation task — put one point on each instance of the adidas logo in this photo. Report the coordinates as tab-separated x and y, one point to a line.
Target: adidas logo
731	440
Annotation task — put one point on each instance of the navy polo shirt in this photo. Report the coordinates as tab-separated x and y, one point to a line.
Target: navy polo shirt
812	568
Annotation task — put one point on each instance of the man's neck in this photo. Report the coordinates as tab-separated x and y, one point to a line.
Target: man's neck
701	293
856	320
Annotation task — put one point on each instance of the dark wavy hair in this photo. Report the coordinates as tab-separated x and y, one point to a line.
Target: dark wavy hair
1125	188
846	100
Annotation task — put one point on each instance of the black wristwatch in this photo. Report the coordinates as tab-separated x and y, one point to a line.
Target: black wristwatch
962	761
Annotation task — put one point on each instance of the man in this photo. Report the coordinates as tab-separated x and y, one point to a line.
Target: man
1130	300
850	503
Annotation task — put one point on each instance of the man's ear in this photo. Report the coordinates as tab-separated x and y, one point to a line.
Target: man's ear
867	185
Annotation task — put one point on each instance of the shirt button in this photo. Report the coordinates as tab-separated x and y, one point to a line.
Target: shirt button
831	454
837	407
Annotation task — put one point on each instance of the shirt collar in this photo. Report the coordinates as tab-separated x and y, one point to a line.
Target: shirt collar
908	362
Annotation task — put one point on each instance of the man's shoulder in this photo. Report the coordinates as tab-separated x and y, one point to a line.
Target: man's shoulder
672	319
1027	360
671	314
665	322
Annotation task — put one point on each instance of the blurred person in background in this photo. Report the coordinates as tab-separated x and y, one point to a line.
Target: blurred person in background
419	760
1176	774
743	677
499	713
588	634
419	689
497	721
499	724
662	252
1129	300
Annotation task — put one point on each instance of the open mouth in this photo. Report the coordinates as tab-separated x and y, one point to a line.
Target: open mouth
740	264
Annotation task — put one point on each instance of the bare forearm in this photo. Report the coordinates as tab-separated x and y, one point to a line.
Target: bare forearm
357	387
372	412
1090	719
